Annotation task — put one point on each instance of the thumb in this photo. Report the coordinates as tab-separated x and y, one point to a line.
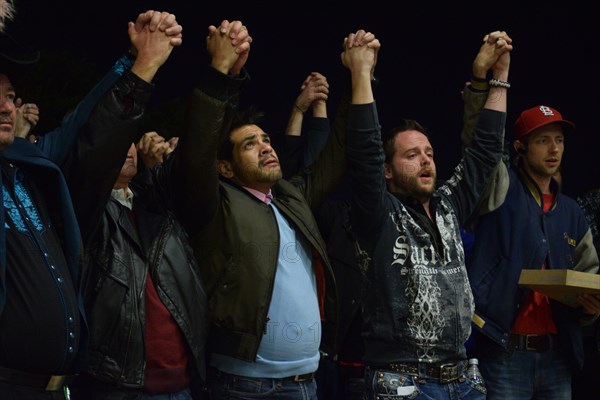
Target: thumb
131	31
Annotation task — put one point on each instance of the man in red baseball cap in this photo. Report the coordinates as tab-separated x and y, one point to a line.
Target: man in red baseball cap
528	344
541	129
538	116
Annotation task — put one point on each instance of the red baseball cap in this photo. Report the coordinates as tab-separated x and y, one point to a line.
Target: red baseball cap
536	117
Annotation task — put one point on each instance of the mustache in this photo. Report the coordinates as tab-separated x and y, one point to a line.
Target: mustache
427	170
267	159
416	170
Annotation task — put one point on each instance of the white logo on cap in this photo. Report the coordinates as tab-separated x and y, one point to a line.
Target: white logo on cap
547	111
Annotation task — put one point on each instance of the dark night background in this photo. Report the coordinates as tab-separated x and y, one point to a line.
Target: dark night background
426	56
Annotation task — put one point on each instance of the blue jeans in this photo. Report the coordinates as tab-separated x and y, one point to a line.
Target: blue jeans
387	385
525	374
224	386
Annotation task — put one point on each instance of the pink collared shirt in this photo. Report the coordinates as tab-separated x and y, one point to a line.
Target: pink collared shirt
265	198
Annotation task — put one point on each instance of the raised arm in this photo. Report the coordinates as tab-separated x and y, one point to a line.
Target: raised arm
365	149
471	183
298	152
228	46
494	56
326	173
113	125
314	93
475	93
57	143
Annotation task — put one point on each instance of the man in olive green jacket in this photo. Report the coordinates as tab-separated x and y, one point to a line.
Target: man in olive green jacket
271	290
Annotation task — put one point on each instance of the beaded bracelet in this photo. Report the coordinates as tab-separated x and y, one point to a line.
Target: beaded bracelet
499	83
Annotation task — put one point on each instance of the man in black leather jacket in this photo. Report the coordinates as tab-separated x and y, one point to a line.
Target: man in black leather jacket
144	298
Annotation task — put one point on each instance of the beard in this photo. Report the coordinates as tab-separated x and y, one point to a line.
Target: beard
544	171
411	186
257	174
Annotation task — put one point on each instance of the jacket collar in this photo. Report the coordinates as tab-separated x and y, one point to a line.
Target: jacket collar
23	151
535	190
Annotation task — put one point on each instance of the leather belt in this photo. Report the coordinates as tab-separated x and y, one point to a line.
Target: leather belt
328	357
443	372
301	378
49	383
539	343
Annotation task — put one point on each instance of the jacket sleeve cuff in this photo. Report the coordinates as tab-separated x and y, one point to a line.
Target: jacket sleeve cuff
221	86
130	83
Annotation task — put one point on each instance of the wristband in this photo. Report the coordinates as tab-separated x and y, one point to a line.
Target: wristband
480	80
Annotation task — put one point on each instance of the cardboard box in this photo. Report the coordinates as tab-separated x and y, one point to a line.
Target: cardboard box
563	285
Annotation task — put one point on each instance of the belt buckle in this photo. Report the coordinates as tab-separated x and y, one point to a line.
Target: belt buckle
304	377
55	383
527	346
448	372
